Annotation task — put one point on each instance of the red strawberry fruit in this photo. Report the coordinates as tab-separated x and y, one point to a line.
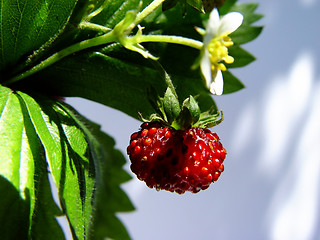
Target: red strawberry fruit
176	160
174	150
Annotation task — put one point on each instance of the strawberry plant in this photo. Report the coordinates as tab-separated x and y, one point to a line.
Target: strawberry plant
160	61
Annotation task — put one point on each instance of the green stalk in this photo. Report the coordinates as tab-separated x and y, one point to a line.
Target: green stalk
93	42
148	9
170	39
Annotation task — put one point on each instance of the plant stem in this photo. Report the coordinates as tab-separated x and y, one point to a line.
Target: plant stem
148	9
171	39
108	37
94	27
104	39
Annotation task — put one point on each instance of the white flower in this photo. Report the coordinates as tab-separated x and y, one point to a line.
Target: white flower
215	48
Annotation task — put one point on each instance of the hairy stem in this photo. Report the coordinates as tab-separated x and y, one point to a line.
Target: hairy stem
148	9
171	39
104	39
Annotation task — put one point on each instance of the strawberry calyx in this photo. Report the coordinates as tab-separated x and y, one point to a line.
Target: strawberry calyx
171	113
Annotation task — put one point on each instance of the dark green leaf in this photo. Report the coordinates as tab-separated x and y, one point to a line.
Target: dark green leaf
226	6
209	5
231	83
168	4
115	11
248	11
197	4
245	34
27	25
241	57
108	80
14	211
119	78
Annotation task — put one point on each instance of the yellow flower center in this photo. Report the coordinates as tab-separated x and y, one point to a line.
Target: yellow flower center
218	49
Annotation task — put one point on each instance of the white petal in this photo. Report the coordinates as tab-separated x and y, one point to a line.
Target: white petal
205	66
213	23
230	22
217	84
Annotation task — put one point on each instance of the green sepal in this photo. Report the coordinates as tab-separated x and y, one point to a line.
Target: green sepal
171	105
209	119
168	111
190	114
193	107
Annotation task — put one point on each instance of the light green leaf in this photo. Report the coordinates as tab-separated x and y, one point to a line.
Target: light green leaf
38	135
27	25
23	173
69	160
110	198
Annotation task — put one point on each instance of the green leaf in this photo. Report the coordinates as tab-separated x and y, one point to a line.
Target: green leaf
197	4
14	211
225	8
248	11
231	83
209	5
119	78
38	135
69	160
168	4
246	32
115	11
103	78
110	198
27	25
241	57
24	177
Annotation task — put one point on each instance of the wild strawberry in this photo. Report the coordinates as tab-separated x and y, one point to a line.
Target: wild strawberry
176	160
174	150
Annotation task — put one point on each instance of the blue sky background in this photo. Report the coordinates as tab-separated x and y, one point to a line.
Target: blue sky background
270	189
